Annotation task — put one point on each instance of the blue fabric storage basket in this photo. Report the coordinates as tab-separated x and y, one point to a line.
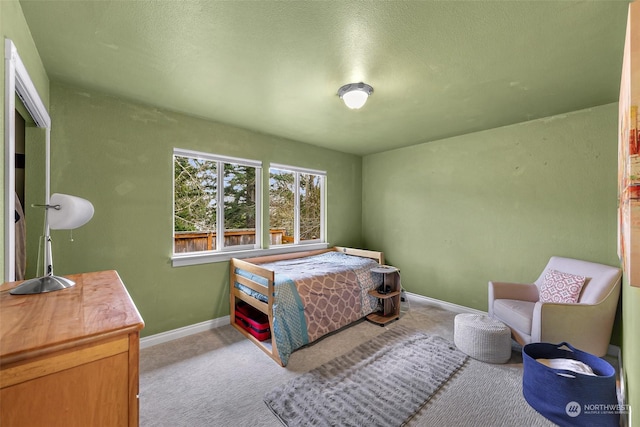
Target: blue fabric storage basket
565	397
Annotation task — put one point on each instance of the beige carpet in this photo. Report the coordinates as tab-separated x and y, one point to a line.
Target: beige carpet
218	378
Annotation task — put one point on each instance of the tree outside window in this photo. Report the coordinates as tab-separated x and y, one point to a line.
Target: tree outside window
296	204
210	217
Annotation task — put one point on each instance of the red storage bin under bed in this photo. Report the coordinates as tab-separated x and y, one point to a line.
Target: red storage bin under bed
253	321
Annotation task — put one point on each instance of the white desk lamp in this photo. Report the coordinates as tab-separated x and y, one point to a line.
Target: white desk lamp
64	212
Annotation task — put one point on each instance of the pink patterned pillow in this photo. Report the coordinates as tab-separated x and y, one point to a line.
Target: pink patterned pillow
561	287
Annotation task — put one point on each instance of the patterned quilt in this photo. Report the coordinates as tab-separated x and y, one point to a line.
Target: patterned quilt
317	295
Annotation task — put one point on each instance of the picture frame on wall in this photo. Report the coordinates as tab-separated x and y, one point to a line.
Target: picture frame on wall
629	153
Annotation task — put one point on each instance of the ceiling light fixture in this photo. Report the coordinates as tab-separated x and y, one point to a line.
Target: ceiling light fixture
355	95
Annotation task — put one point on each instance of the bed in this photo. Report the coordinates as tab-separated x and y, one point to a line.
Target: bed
305	295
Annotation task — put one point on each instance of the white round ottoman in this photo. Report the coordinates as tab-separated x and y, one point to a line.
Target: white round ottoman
482	337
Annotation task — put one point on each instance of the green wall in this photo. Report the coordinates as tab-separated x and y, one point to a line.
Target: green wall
118	155
14	27
495	205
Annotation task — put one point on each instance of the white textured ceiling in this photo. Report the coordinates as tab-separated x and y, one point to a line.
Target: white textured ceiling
438	69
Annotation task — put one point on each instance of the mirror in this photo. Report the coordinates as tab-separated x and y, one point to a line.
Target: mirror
18	82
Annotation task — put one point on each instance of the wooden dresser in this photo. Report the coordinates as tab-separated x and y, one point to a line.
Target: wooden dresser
70	357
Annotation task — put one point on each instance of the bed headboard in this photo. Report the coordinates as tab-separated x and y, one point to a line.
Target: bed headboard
377	256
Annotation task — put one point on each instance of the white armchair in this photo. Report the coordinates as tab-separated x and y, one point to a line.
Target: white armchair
586	324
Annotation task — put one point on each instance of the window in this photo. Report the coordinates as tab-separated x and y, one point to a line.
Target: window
216	202
296	205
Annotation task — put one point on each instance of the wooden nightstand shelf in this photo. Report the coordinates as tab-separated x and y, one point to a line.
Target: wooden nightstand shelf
390	300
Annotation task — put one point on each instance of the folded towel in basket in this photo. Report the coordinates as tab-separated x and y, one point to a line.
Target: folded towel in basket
568	364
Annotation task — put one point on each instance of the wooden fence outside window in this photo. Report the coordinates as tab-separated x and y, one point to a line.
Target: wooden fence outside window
198	241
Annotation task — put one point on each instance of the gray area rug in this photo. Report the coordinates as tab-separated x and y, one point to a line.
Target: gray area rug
382	382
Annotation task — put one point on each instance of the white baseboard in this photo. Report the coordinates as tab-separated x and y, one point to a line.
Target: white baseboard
167	336
174	334
446	305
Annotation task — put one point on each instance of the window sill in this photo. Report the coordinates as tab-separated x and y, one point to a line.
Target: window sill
209	257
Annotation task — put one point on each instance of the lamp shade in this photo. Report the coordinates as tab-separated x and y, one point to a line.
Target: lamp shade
68	212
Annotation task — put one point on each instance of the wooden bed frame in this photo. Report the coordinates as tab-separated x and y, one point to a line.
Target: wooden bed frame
252	265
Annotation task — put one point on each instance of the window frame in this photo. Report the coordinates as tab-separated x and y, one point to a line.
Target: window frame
220	196
296	210
259	249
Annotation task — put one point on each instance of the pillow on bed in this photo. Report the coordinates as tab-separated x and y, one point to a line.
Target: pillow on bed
561	287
